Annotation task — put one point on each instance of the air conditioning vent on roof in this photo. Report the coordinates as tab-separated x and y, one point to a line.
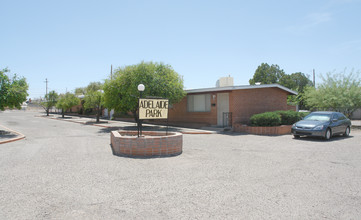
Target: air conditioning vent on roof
224	81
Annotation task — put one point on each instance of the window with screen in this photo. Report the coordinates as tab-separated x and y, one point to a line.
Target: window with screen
199	103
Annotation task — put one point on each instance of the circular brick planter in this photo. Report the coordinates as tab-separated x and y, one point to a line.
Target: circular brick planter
151	144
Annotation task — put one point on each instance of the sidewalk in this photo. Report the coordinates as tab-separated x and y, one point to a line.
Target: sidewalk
121	125
356	123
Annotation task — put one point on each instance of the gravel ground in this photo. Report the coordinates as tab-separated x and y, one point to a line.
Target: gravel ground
66	170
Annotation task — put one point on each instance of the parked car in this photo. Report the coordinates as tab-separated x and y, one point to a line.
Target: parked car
322	124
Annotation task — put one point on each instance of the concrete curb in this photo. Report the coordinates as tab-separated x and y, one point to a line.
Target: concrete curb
198	132
12	139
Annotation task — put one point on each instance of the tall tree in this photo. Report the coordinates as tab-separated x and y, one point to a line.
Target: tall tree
267	74
13	91
160	80
295	81
50	100
339	92
80	91
66	101
93	86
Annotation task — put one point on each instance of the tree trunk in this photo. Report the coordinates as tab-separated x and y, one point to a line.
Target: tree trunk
47	112
98	114
62	112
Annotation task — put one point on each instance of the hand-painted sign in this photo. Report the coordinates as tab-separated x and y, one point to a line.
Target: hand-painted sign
153	108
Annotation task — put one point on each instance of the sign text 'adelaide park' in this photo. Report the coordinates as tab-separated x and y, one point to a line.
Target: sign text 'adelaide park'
153	108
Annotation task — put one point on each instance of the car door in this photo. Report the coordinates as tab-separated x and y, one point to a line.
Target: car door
335	124
343	123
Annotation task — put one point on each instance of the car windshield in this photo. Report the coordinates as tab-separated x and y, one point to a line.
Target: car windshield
318	117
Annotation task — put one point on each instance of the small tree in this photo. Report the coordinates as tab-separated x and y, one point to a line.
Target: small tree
66	101
50	100
339	92
13	91
160	80
94	100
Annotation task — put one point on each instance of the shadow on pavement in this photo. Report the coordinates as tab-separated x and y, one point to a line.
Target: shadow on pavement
234	134
7	135
94	122
320	139
135	128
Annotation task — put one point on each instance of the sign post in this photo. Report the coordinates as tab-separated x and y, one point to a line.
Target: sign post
153	109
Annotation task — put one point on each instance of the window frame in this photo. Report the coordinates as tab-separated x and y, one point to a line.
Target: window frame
191	100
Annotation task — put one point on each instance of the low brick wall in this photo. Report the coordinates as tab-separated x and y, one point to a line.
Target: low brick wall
277	130
151	144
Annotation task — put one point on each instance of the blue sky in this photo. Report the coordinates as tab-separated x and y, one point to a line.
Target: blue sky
72	43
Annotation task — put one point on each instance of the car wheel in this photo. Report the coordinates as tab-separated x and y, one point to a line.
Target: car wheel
328	134
296	136
347	132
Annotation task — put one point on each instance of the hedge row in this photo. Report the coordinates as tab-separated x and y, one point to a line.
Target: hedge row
277	118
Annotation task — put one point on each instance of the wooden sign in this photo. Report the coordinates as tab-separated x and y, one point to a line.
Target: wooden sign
153	108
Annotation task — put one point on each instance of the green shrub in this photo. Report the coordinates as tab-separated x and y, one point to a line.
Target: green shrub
266	119
288	117
88	111
277	118
302	114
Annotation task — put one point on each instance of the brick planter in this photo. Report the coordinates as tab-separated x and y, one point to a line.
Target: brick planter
151	144
276	130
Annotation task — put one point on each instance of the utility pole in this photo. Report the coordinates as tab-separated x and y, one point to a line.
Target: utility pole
314	78
46	81
111	72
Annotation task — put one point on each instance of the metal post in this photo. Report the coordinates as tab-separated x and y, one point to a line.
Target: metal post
139	121
166	133
138	126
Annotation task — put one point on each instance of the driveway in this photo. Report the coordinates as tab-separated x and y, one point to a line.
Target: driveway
64	170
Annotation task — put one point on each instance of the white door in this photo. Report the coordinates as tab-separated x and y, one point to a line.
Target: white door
222	106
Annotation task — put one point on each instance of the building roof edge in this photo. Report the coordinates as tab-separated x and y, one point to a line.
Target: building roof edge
227	88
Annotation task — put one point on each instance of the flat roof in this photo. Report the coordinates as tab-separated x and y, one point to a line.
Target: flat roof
230	88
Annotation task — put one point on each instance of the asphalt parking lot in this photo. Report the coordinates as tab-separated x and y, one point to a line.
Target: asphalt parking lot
64	170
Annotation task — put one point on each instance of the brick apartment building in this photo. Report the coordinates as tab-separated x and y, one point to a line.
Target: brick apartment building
226	104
